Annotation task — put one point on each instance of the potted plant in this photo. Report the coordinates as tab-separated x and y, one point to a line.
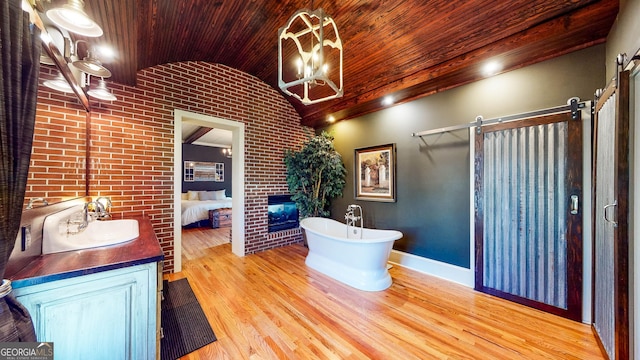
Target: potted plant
315	175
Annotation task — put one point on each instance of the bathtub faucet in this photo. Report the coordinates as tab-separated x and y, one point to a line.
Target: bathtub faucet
352	219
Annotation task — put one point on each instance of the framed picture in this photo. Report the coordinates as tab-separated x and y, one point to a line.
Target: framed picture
375	173
203	171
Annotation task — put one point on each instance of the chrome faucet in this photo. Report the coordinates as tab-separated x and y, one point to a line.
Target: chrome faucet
352	219
106	205
32	200
79	221
98	209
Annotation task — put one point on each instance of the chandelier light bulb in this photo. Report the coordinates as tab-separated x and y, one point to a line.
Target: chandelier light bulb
299	66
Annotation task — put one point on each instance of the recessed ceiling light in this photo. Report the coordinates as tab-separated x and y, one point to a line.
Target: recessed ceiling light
491	68
388	100
331	119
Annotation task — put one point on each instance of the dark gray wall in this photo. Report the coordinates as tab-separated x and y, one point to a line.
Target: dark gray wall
433	175
192	152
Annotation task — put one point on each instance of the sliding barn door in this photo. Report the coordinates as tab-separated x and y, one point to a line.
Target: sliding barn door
610	214
528	221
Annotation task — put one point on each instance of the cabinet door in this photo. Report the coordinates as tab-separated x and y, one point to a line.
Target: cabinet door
107	315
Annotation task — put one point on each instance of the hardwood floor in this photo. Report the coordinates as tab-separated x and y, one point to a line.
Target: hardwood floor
271	306
197	240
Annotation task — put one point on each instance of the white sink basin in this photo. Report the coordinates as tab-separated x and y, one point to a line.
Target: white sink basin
58	235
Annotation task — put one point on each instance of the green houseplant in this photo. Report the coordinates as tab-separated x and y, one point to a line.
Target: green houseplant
315	175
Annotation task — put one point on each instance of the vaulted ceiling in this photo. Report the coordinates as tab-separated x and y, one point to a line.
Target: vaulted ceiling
408	48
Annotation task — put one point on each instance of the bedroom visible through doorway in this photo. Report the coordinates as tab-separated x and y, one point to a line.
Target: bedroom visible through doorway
230	135
206	198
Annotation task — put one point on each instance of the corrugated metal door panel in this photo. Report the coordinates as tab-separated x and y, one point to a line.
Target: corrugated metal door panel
525	214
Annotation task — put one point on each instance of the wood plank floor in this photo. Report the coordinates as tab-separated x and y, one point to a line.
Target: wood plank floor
271	306
197	240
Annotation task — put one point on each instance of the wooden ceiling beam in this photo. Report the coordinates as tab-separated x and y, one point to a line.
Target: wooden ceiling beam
200	132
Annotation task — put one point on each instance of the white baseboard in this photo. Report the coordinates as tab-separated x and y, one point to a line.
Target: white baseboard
439	269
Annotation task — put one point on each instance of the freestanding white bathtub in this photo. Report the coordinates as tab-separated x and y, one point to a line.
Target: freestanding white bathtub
358	262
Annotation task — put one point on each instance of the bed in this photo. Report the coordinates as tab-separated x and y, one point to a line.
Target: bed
196	205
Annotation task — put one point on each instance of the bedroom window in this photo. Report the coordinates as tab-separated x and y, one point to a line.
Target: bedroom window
188	171
219	172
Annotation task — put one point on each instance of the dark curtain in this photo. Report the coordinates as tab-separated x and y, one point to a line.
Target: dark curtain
20	49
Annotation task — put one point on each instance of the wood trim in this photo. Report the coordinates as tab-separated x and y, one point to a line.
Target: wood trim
621	236
540	120
608	92
575	250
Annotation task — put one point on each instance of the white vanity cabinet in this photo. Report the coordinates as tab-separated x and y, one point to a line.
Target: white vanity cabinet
104	315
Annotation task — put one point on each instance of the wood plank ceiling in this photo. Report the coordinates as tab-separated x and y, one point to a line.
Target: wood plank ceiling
410	48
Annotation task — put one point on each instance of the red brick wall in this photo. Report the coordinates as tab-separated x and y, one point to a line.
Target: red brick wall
131	147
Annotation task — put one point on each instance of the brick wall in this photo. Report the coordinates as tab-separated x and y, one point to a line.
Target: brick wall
131	147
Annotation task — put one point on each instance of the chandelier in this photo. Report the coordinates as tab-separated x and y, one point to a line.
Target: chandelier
310	57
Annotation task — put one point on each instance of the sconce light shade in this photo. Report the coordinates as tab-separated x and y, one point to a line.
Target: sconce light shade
227	152
59	83
45	59
310	57
92	66
101	92
71	16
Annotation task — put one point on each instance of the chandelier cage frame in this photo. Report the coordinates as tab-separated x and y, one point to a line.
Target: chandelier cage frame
309	75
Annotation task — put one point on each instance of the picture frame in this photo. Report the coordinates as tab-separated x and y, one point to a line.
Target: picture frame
375	173
203	171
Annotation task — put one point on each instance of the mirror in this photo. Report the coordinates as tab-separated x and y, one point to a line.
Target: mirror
59	156
57	170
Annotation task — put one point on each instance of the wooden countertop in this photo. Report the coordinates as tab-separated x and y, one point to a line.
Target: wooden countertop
45	268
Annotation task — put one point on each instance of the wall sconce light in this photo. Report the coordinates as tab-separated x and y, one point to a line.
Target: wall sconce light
310	57
227	152
59	83
92	66
71	16
101	92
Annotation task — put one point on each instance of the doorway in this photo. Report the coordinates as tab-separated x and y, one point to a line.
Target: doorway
237	185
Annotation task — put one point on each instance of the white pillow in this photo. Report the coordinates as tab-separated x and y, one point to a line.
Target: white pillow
220	194
192	195
206	195
185	196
